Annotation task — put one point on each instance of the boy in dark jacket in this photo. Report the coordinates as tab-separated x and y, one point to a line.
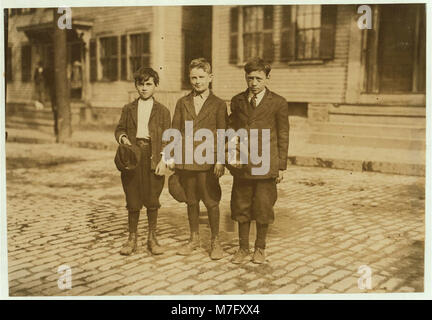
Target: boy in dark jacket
254	195
142	124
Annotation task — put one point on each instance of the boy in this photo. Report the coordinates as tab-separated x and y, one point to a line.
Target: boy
142	124
201	181
253	196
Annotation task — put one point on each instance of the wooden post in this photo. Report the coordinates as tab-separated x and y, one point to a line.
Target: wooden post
61	82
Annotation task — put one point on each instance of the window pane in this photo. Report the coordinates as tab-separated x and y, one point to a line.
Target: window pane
300	45
284	46
247	44
268	17
109	58
286	16
316	44
234	19
268	47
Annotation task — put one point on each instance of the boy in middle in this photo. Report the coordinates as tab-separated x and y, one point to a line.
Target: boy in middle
201	181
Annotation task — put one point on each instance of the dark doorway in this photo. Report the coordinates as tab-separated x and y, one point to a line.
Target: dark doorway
197	37
397	49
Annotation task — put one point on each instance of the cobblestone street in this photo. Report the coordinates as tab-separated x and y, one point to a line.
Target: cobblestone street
66	207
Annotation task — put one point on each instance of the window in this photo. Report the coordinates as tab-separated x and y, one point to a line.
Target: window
308	32
257	32
109	58
21	11
93	60
282	33
9	64
26	63
139	51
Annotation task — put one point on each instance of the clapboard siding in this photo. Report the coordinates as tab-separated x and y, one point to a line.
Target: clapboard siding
300	83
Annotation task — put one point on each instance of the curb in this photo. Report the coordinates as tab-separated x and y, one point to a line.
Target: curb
410	169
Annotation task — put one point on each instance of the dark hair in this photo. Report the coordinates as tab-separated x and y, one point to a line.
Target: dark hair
200	63
257	64
143	74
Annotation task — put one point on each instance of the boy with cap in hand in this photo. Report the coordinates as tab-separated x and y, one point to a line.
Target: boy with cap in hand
141	125
201	181
253	196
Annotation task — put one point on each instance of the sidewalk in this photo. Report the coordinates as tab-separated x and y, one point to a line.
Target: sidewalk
301	152
66	207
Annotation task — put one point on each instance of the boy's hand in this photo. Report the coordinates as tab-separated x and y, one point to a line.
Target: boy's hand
280	177
171	165
125	140
160	168
219	170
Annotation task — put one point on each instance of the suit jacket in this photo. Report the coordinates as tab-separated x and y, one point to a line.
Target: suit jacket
271	113
213	115
159	121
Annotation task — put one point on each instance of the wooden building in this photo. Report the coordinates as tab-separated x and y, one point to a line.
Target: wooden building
324	64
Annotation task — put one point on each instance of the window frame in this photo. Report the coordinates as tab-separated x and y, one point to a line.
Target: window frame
130	72
111	57
280	30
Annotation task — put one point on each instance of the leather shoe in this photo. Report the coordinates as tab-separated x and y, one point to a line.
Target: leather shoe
193	244
216	250
259	256
240	256
153	245
130	246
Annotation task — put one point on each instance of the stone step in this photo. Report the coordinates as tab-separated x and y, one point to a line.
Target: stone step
366	129
366	141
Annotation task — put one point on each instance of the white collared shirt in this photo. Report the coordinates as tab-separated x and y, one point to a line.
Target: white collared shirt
259	96
144	110
199	99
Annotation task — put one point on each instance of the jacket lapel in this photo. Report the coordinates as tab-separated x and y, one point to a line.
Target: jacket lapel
206	108
154	110
244	103
265	103
134	111
190	105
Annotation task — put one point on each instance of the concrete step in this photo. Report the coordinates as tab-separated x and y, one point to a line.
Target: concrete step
378	119
33	114
373	110
391	115
42	125
370	129
367	141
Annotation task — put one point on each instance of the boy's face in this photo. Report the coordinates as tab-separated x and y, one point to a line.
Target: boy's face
145	88
256	81
200	79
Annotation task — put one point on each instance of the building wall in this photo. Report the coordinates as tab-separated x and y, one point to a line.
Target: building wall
18	91
164	25
301	83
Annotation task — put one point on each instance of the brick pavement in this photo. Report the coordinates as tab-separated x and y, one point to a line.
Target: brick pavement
66	207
